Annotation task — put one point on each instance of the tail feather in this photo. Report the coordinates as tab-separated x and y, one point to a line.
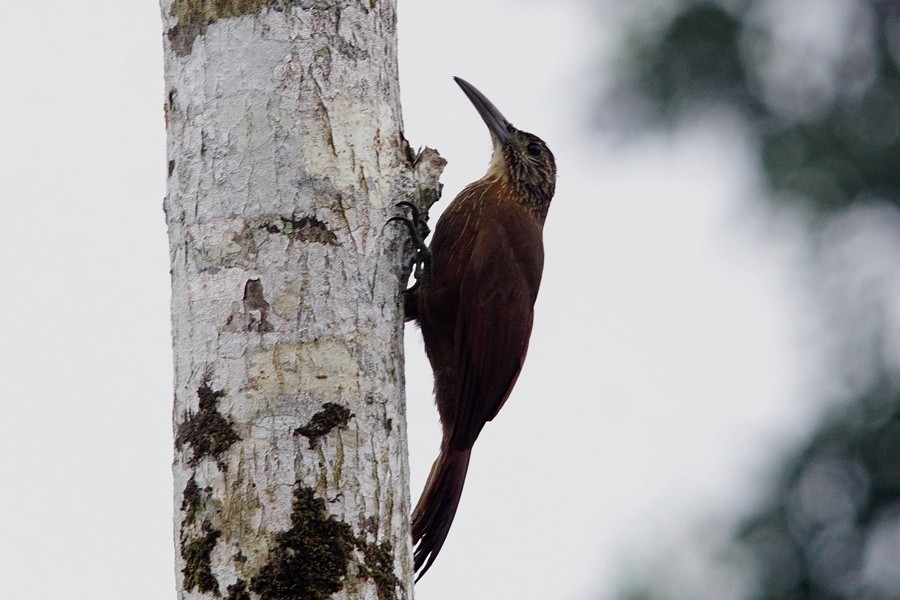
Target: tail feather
436	508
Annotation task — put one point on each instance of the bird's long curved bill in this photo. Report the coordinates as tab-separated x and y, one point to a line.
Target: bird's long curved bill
495	121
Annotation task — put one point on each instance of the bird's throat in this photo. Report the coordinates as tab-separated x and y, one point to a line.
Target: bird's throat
497	170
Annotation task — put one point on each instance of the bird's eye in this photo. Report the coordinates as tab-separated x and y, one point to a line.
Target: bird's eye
533	149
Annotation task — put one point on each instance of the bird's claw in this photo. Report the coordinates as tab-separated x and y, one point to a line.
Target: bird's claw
416	225
421	232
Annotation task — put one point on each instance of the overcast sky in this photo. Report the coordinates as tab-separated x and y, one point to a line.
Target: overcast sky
664	374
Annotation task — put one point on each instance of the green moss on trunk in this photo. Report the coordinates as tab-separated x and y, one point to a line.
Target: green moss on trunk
331	416
379	566
207	431
197	569
192	501
238	591
310	559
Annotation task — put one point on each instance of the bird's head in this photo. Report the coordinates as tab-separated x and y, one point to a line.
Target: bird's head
520	159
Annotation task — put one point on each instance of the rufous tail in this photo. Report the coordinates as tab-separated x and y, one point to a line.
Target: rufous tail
436	508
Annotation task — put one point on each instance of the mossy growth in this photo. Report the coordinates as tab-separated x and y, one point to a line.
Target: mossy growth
192	501
238	591
310	559
332	415
197	569
379	566
308	229
207	431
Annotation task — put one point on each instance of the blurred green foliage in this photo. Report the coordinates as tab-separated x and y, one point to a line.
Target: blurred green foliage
826	116
693	60
830	528
846	150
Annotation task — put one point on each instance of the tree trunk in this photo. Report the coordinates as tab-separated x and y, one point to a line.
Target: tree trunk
286	158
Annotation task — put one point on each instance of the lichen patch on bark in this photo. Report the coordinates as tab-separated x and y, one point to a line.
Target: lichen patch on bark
306	229
310	559
331	416
379	566
207	431
238	509
197	569
238	591
317	368
193	500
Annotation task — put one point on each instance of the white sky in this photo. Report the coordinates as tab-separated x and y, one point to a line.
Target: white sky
663	377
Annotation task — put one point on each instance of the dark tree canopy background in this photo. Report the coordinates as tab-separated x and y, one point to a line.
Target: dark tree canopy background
820	92
829	133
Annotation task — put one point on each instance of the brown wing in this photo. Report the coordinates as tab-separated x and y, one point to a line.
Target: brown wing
494	319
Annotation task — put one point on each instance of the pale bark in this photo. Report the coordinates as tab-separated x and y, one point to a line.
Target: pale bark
286	158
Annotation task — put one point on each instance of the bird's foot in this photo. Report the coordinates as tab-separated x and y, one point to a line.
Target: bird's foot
416	226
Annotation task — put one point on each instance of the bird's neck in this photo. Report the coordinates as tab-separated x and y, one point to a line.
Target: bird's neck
515	188
498	184
497	168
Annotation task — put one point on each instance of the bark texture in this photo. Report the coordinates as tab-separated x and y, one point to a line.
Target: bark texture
286	158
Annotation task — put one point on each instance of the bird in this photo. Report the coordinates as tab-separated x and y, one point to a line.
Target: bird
474	303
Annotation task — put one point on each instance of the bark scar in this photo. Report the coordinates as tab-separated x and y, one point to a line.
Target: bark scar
256	307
